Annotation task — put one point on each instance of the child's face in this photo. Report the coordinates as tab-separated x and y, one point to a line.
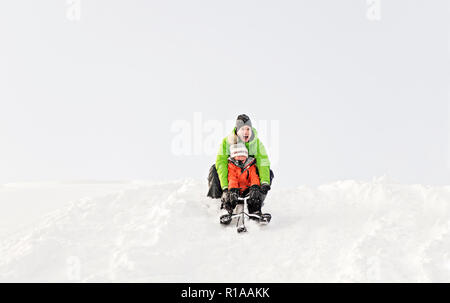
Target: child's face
244	133
240	158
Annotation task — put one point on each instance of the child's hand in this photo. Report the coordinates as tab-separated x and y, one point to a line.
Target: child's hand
255	193
234	195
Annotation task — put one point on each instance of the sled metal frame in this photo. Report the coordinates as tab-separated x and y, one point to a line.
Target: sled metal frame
241	214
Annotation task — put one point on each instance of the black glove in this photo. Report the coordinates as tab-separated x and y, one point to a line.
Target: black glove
265	188
254	193
233	195
228	207
224	197
254	205
231	200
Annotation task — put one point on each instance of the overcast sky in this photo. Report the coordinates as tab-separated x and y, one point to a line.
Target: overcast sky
337	90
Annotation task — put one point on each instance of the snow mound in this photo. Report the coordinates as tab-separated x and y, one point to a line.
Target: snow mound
345	231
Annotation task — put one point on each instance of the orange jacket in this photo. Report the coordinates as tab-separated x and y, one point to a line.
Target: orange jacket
242	176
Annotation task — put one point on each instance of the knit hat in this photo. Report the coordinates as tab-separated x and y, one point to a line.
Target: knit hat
238	149
243	120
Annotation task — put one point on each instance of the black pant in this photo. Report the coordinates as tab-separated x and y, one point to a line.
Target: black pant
215	190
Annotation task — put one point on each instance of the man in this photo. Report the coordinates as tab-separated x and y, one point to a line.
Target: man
218	174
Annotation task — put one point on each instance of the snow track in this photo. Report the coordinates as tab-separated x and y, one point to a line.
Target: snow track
341	232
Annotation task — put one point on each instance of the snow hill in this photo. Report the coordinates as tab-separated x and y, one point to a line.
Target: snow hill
345	231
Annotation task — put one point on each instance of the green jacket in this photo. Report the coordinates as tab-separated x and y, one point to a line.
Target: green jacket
255	149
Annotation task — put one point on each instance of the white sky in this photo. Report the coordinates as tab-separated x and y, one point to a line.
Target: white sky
96	99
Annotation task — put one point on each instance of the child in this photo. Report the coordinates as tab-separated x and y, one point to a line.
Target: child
242	178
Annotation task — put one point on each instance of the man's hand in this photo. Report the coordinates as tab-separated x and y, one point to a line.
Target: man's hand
265	188
225	197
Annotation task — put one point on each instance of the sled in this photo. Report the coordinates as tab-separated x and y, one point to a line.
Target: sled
240	214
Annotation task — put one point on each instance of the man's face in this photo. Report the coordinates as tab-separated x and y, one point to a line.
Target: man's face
244	133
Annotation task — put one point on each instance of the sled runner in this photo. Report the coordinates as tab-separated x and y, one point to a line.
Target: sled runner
240	214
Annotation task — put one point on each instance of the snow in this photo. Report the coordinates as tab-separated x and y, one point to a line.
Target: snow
23	204
346	231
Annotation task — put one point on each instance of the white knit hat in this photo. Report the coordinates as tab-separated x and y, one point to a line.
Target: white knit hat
238	149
